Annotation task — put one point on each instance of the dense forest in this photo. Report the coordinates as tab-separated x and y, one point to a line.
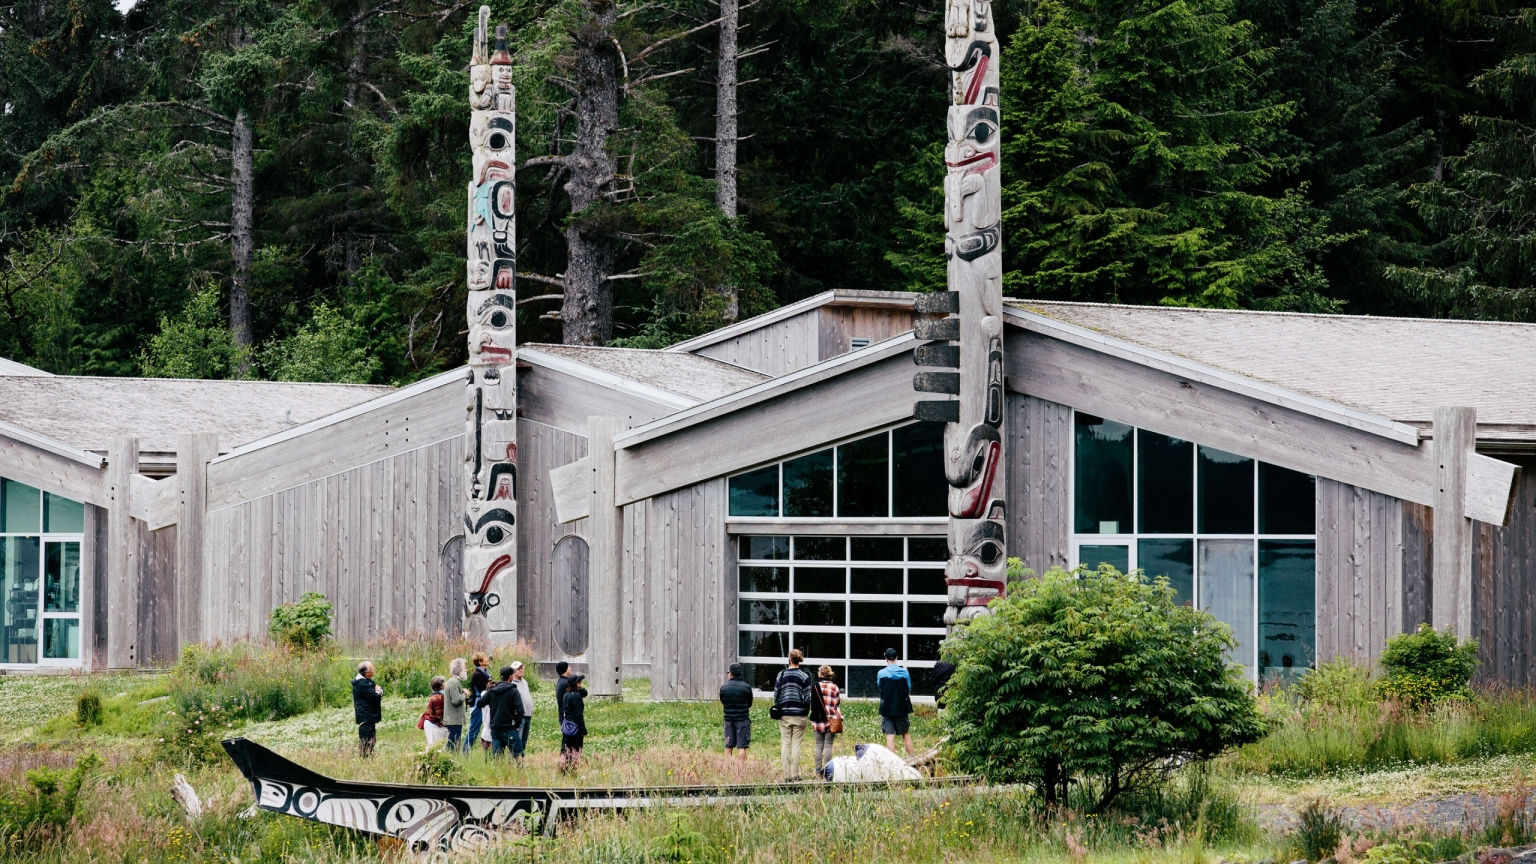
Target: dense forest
276	188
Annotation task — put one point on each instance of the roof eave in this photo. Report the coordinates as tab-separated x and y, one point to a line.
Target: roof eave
58	448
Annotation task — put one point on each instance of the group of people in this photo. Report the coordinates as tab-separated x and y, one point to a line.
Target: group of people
500	712
800	703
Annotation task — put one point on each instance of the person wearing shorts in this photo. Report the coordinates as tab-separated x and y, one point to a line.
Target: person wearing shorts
736	699
895	703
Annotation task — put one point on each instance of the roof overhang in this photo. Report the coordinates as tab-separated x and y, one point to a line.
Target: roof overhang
606	379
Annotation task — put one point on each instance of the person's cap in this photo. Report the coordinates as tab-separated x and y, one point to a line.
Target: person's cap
890	653
736	670
506	671
516	665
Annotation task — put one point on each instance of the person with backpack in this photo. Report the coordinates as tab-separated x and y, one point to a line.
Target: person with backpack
506	718
736	699
796	702
895	684
562	681
573	728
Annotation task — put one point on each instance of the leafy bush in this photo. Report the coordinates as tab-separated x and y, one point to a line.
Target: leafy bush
40	812
1094	676
434	765
192	739
1318	831
303	625
1338	684
88	707
1426	667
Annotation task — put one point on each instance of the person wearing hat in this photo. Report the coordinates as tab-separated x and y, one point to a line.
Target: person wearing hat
736	698
895	684
518	678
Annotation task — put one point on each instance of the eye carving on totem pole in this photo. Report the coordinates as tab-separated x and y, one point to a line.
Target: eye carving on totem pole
490	512
973	437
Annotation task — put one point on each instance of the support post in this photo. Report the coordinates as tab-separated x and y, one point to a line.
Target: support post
122	557
1455	439
605	526
193	453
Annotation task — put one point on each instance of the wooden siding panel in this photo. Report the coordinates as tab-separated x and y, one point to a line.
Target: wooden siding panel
1039	456
564	401
777	349
676	551
1359	571
1504	589
541	447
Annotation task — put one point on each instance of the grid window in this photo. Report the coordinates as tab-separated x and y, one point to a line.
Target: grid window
895	473
41	535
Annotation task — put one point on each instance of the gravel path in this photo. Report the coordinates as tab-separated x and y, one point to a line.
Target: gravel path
1469	811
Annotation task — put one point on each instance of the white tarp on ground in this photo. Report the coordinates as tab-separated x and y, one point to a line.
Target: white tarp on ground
871	763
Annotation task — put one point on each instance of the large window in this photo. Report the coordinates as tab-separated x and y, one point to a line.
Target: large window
40	537
1232	535
897	473
842	601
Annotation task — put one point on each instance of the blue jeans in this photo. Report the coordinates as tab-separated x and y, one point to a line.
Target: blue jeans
505	739
522	737
474	729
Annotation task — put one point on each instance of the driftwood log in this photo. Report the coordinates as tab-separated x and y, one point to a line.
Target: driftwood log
186	796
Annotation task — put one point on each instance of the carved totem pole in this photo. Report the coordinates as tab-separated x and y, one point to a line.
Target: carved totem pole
490	463
973	439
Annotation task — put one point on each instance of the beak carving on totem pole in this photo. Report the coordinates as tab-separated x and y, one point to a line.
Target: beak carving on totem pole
490	464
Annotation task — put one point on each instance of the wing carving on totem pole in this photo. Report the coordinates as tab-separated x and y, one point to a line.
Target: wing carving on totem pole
490	464
970	339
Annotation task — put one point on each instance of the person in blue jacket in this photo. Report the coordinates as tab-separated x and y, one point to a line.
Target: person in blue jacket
895	684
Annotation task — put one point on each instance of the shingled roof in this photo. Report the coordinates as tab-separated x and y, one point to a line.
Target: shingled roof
1399	368
692	376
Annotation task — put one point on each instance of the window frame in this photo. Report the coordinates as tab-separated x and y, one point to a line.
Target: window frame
44	538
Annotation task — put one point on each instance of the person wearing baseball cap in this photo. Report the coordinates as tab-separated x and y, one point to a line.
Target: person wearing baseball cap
527	698
736	697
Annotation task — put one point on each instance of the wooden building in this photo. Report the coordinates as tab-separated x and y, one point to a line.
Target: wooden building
764	486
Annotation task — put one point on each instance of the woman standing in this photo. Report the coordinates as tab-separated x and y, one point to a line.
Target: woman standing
431	721
832	721
479	682
453	703
573	729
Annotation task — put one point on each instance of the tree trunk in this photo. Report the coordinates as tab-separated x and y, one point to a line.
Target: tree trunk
725	137
587	310
356	70
241	229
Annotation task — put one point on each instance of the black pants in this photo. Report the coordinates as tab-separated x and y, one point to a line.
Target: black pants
367	736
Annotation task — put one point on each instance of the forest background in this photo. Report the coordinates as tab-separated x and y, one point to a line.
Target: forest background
276	188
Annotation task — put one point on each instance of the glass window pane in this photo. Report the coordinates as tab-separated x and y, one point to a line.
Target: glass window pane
821	580
763	675
61	578
922	680
1174	560
20	575
61	639
808	485
765	612
876	548
20	507
923	647
1117	556
62	516
756	493
875	614
770	579
819	646
821	549
765	548
1287	594
1166	478
927	549
821	613
1226	591
762	643
926	582
871	646
1287	501
873	580
926	614
861	681
921	489
1102	476
863	477
1226	492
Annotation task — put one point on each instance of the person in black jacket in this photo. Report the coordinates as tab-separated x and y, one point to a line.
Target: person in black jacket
895	684
506	705
479	682
367	708
736	697
562	681
573	728
942	672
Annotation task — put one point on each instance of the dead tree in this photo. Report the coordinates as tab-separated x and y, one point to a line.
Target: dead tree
587	311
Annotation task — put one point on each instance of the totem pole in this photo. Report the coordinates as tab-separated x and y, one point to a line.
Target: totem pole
973	440
490	462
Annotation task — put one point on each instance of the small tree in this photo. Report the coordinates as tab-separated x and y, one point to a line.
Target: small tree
1426	666
1094	676
303	625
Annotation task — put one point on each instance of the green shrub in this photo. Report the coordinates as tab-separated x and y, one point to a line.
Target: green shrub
303	625
187	740
1426	667
39	813
88	707
434	765
1338	684
1094	676
1318	830
252	682
1401	853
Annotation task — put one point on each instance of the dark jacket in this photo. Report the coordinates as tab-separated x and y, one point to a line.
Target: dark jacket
367	704
574	707
942	672
479	681
506	705
560	685
794	693
736	696
895	696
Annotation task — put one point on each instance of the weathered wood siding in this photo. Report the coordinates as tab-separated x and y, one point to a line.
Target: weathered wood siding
1418	553
679	598
370	538
540	448
839	324
158	588
1039	455
1359	600
1504	589
777	349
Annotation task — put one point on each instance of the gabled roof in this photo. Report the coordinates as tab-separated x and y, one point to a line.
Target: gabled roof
1397	368
683	379
11	367
839	297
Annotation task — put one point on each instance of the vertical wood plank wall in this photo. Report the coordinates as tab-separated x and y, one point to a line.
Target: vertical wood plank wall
540	448
677	569
369	538
1359	599
1418	552
1504	590
1038	451
839	324
778	349
158	590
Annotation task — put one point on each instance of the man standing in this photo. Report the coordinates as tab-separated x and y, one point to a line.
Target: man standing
736	697
895	703
479	682
792	702
506	715
562	683
526	698
367	708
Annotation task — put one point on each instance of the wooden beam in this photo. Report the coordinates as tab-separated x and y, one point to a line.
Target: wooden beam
193	453
90	622
122	556
154	501
558	397
61	475
605	536
1451	573
571	488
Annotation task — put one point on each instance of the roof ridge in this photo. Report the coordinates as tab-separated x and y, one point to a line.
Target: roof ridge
1023	301
56	378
